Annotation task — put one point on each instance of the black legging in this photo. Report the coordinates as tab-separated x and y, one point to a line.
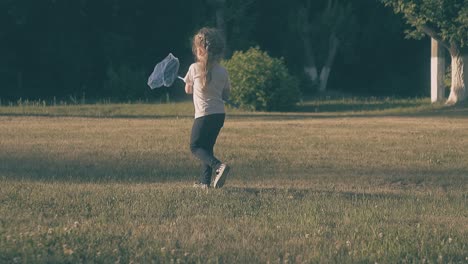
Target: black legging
205	131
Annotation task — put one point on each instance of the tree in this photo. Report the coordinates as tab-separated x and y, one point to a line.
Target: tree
323	33
447	22
219	7
231	16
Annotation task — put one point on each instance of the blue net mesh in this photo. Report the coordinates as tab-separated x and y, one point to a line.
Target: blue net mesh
164	73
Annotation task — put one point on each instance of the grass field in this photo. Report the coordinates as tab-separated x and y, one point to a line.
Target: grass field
342	181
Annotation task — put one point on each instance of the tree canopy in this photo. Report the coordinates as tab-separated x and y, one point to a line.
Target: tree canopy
107	48
443	20
446	21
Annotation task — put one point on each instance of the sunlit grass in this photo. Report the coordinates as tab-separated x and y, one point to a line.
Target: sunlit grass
153	222
310	107
305	187
103	110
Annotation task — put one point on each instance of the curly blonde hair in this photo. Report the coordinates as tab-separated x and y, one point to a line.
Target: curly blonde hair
211	42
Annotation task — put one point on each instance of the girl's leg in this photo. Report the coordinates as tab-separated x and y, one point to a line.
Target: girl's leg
207	171
205	131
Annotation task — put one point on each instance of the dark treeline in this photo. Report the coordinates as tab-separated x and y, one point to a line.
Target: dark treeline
107	48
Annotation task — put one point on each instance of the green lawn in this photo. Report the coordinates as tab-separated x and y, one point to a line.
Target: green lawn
350	180
345	106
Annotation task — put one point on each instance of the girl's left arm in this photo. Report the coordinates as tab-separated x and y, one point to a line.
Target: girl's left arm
189	88
189	81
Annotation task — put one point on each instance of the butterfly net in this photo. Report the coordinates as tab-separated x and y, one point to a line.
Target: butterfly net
164	73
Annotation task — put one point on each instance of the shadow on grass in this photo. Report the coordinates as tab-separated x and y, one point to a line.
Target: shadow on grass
299	194
39	168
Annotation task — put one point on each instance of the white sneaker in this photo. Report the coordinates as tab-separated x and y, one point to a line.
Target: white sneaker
221	174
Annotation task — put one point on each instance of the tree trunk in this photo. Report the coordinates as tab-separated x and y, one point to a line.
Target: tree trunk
325	72
310	68
312	73
437	71
221	20
459	76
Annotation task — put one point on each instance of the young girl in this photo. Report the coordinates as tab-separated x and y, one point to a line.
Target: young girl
208	81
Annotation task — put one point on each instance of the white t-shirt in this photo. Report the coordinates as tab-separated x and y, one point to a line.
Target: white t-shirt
209	100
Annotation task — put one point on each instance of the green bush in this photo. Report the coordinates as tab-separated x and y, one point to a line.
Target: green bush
260	82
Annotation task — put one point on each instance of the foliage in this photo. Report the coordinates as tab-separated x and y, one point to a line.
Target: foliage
324	20
260	82
445	20
57	48
68	48
125	83
240	18
448	77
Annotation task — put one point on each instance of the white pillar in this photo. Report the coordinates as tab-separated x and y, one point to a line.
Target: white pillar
437	72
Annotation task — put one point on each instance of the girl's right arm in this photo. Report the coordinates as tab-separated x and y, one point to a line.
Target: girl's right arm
226	90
